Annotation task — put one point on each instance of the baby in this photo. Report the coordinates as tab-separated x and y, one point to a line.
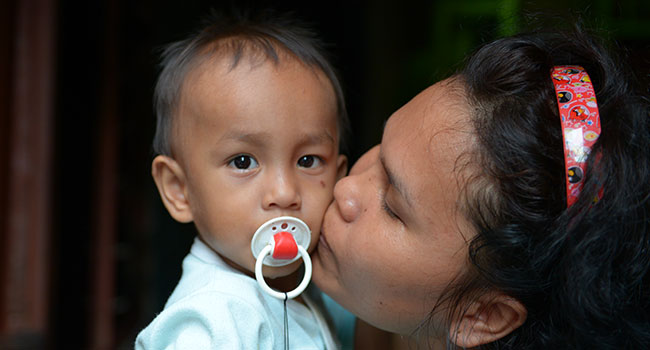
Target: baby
250	118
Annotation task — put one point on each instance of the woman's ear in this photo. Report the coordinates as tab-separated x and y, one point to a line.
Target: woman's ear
491	317
170	180
341	167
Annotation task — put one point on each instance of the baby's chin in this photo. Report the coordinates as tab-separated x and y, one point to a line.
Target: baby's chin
283	278
274	272
269	272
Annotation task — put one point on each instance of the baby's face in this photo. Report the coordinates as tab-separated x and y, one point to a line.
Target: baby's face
255	143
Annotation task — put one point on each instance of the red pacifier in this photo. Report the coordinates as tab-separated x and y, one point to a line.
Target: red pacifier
278	242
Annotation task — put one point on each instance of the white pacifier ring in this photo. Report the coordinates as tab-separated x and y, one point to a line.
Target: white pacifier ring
265	287
291	236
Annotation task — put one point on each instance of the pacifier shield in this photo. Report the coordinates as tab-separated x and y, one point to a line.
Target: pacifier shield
289	224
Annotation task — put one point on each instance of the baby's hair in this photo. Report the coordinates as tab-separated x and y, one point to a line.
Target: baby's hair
581	272
238	33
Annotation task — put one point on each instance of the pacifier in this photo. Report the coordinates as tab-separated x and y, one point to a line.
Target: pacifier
278	242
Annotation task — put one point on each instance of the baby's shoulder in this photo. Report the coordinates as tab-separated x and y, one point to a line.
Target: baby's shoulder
230	288
200	279
220	301
209	319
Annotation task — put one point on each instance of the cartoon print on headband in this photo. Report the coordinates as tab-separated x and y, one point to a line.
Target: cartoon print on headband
564	96
579	113
580	122
575	174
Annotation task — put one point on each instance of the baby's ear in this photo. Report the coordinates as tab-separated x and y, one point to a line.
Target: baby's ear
170	180
341	166
491	317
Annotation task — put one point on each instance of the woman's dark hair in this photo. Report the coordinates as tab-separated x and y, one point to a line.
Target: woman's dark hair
581	272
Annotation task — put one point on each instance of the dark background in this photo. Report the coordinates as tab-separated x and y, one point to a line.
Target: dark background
112	253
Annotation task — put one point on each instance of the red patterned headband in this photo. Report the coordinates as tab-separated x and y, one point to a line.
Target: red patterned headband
576	100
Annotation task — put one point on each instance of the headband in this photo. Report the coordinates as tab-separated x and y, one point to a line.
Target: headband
576	101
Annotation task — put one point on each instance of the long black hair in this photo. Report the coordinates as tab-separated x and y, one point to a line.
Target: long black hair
581	272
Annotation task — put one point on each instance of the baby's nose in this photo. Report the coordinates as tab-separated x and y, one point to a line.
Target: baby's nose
282	192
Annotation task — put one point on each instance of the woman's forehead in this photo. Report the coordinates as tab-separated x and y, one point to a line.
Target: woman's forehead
437	119
423	141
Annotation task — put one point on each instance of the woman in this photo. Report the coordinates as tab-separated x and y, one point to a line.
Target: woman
471	226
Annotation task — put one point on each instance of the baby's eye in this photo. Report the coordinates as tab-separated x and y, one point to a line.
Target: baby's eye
243	162
309	161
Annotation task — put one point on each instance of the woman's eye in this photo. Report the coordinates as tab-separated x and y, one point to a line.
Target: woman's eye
389	211
309	161
243	162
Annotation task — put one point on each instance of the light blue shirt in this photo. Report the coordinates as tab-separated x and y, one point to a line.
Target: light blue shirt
217	307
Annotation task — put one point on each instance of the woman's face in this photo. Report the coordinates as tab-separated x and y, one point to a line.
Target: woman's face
393	238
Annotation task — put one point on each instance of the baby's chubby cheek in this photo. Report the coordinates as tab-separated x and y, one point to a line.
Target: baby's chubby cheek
315	236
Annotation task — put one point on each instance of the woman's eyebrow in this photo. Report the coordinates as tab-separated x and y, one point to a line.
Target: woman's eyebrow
395	181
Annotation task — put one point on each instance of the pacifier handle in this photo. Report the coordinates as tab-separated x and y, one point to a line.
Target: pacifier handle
283	247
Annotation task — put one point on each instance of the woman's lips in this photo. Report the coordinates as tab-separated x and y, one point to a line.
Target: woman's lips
322	242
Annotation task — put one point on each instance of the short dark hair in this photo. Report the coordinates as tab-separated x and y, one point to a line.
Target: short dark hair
581	272
267	32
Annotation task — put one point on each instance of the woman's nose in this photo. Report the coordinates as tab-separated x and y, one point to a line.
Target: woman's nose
282	191
346	195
